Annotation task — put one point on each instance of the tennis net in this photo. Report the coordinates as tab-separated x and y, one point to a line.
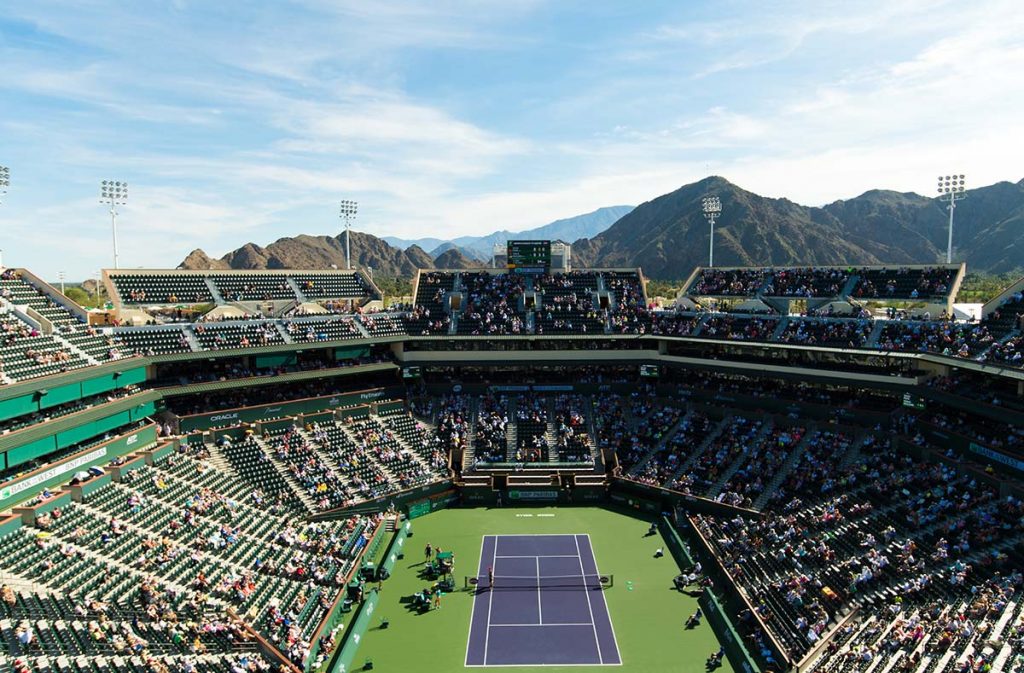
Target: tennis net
554	582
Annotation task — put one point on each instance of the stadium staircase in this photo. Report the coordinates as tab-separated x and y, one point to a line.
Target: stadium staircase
876	333
283	332
595	449
59	338
469	450
218	298
193	342
511	430
551	432
698	327
753	447
362	329
299	295
701	448
847	290
780	329
791	461
293	482
660	445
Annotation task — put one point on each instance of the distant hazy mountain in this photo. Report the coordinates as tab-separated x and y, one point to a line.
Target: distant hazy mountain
480	247
448	245
403	243
452	258
668	236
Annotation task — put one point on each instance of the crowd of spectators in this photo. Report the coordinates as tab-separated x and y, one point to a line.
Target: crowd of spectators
807	282
904	283
893	535
738	328
959	339
571	430
728	282
489	442
830	333
492	304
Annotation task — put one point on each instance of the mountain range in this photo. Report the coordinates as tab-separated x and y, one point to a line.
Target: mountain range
668	236
480	247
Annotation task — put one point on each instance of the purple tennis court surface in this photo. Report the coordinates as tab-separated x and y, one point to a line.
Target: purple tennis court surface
545	608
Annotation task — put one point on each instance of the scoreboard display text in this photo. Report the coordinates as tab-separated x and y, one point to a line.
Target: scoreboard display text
529	256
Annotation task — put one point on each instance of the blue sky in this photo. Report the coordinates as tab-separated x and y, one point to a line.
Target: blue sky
238	122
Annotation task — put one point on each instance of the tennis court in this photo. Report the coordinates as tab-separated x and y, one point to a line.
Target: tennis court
546	605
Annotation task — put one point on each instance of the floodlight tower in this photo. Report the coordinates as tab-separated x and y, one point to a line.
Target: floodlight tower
347	214
5	182
712	206
951	187
114	194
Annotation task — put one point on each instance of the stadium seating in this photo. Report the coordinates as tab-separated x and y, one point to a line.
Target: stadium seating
491	428
149	341
253	287
727	283
807	282
566	304
1007	317
492	304
383	324
336	285
247	334
830	333
738	328
428	314
304	330
904	283
151	289
909	538
946	337
25	353
184	537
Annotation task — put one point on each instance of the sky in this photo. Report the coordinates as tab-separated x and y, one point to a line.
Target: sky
249	121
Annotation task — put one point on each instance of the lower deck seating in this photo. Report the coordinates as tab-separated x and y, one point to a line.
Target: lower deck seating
179	537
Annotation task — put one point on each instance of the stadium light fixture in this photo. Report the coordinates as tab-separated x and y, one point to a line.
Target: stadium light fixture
5	181
953	188
712	206
347	214
114	193
61	275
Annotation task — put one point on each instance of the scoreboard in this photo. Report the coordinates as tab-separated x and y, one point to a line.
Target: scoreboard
529	256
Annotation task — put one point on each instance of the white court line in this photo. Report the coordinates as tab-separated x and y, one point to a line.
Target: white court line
540	609
607	610
548	625
472	608
536	556
593	622
490	604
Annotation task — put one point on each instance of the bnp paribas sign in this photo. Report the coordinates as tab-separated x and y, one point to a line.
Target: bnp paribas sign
12	490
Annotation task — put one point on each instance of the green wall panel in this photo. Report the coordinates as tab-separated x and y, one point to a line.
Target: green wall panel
60	395
100	384
17	406
137	375
21	454
76	435
143	410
